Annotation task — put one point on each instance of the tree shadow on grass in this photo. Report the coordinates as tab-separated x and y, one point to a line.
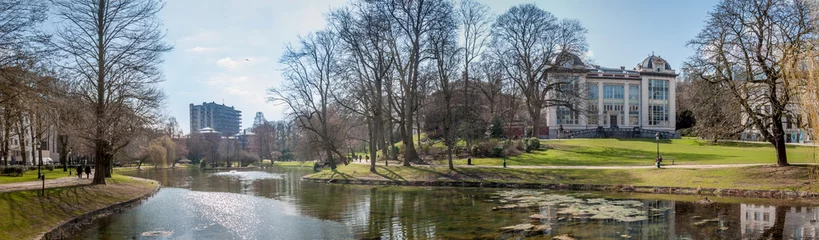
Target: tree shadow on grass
392	176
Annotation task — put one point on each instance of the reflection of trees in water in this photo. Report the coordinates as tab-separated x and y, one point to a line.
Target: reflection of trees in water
707	221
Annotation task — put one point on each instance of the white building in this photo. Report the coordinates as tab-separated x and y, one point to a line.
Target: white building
618	99
48	146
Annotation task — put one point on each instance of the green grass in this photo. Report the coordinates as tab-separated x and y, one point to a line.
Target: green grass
31	175
294	164
790	178
632	152
26	214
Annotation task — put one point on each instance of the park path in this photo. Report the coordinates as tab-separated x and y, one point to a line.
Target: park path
49	183
704	166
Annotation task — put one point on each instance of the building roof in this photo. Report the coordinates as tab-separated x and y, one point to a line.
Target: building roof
568	59
207	130
650	61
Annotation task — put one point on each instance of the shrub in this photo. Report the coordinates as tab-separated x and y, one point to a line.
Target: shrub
519	145
50	168
484	148
532	144
497	151
203	164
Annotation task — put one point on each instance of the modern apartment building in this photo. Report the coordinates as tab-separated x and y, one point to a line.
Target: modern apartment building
224	119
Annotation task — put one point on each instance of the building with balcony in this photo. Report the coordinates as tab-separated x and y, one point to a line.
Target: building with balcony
219	117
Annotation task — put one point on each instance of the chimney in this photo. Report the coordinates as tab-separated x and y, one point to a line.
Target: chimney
623	68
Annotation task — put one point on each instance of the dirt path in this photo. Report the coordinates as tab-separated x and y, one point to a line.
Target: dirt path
594	167
49	183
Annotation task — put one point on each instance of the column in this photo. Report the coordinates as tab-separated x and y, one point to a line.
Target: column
600	103
644	103
625	105
672	103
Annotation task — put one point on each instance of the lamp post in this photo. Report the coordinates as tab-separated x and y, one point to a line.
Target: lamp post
657	136
40	158
505	141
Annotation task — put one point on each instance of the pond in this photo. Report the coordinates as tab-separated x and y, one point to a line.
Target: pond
275	204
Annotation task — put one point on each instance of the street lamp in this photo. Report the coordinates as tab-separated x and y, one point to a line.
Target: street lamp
40	158
505	141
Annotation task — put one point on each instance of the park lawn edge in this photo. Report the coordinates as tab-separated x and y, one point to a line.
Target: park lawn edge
29	216
794	178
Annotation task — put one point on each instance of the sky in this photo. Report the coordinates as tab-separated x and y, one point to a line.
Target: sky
227	51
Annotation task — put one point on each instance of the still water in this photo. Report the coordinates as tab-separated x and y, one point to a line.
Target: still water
275	204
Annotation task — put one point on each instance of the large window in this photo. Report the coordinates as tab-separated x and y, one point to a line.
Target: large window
593	91
658	115
658	89
592	113
613	91
634	105
566	116
658	102
613	103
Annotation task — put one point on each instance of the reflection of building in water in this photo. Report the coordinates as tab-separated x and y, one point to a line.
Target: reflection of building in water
660	223
756	218
799	222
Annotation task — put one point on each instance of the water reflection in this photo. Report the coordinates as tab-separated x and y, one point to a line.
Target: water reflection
275	205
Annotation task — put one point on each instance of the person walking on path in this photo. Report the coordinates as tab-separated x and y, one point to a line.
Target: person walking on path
79	171
87	172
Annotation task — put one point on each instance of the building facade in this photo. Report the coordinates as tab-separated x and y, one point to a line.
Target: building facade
221	118
616	98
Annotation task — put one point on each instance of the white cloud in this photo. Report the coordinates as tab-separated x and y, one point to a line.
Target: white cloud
228	63
589	54
199	49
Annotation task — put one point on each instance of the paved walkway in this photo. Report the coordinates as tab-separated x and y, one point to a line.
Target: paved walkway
49	183
706	166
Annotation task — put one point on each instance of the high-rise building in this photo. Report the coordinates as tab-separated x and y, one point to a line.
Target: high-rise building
224	119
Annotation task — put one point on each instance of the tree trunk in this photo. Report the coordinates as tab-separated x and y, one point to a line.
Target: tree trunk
373	140
99	163
409	145
779	142
535	115
63	141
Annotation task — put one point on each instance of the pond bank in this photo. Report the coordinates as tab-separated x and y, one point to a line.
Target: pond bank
751	182
62	210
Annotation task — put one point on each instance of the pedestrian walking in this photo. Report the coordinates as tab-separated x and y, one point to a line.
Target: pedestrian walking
79	171
87	172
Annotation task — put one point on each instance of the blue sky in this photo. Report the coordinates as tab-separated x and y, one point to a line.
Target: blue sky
227	51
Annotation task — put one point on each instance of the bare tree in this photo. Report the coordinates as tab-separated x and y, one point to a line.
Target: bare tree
525	41
312	74
745	46
364	32
475	21
112	49
446	55
718	113
412	21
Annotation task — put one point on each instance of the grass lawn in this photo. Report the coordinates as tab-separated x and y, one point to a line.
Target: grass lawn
631	152
786	178
31	175
25	214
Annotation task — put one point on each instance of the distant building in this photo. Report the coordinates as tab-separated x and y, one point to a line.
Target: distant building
219	117
615	98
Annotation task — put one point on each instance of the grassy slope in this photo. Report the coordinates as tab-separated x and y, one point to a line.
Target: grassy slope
630	152
791	178
25	215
